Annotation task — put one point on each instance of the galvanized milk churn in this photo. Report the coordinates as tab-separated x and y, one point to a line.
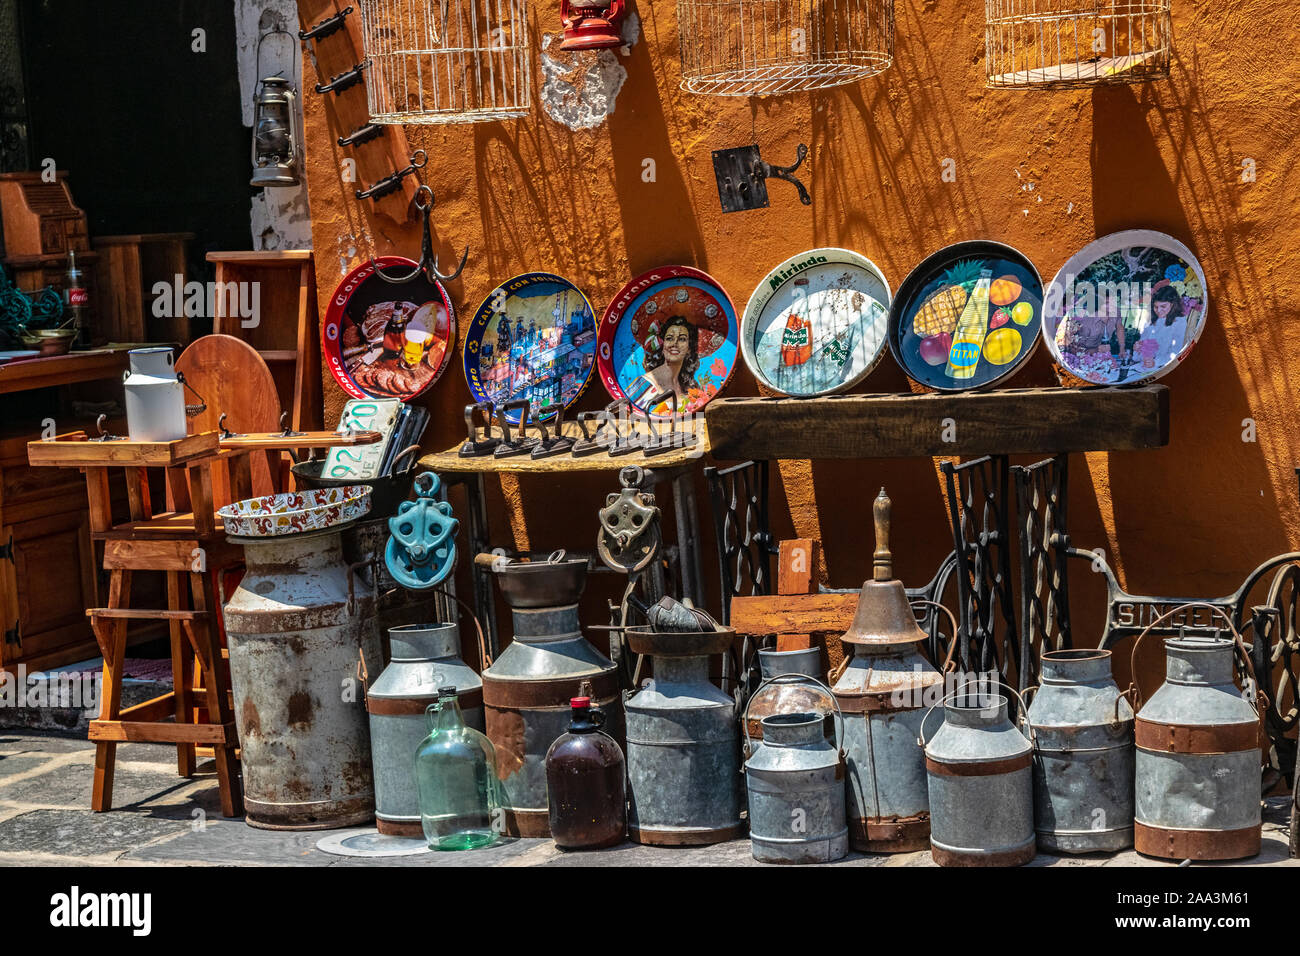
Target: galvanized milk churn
1083	755
425	660
296	627
798	691
683	744
882	689
1198	756
527	690
795	781
981	785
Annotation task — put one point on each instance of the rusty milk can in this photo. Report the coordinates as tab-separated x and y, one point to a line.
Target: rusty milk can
297	626
882	689
425	660
981	785
789	686
683	744
1198	757
795	781
527	690
1083	755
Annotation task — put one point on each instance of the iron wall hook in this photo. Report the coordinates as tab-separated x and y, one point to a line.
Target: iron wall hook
428	264
787	173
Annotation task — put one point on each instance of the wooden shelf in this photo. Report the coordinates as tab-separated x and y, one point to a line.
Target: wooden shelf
75	451
27	374
1006	422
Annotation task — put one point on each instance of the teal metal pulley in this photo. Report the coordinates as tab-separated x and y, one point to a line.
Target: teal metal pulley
422	550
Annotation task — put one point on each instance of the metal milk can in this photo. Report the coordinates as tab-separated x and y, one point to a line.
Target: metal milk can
297	626
683	744
1198	758
527	690
1083	755
795	781
425	660
981	785
882	689
796	692
155	398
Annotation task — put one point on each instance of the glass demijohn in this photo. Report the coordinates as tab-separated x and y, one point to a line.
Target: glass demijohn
586	783
455	771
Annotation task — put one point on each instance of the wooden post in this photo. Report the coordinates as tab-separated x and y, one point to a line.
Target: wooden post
797	574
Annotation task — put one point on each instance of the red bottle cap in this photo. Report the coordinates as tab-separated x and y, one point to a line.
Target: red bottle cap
578	703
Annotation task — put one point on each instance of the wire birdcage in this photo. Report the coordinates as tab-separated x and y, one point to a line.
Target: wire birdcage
1061	44
769	47
446	61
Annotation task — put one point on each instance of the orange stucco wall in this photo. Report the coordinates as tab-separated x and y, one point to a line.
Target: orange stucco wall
1046	172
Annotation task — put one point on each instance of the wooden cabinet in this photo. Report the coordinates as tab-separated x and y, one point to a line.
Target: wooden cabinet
47	563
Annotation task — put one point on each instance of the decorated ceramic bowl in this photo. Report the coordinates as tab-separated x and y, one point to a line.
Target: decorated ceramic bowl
295	512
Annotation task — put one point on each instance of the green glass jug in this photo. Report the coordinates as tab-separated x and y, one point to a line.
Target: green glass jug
456	773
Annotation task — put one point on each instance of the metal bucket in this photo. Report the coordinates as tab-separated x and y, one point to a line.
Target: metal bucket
1083	755
683	744
1198	759
798	692
795	782
425	657
296	627
527	690
978	767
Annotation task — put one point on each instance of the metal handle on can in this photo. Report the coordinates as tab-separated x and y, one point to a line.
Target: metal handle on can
952	646
921	741
485	658
789	679
1138	700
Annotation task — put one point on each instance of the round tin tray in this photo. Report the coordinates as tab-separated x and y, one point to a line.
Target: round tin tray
967	317
534	337
1123	279
817	323
294	512
365	358
634	356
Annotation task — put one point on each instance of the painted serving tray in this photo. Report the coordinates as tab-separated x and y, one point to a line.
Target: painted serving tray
386	340
671	330
1126	308
294	512
967	317
534	337
817	323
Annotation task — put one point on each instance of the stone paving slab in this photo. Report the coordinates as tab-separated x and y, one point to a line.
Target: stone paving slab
165	820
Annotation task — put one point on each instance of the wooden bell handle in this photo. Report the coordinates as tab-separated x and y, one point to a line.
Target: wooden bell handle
883	568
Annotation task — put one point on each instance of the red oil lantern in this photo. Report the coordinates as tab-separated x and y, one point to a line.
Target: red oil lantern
591	24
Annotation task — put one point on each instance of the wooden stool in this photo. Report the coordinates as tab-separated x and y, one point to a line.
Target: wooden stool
185	544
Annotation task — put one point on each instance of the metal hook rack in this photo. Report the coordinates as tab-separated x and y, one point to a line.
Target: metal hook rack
327	27
428	263
345	80
742	177
361	135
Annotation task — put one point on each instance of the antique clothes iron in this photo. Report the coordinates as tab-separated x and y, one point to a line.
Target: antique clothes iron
882	688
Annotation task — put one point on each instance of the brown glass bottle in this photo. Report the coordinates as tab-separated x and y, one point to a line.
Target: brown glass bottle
586	783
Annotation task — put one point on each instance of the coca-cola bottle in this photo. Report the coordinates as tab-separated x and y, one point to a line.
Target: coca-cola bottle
76	301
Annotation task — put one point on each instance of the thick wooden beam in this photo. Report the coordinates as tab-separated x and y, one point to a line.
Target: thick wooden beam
1010	421
793	614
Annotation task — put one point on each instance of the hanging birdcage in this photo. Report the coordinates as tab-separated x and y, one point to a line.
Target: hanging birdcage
446	61
769	47
1059	44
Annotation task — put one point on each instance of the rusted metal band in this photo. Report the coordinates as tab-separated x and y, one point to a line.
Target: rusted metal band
890	835
986	769
1016	857
527	823
879	702
653	836
512	695
1197	739
1172	844
471	699
755	726
395	828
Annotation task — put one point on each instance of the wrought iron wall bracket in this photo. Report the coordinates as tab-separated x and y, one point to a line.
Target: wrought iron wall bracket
742	177
345	80
393	181
327	27
361	135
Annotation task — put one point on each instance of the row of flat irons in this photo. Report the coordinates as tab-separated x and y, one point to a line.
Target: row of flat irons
615	430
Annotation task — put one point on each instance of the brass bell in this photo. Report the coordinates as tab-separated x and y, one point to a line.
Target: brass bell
884	615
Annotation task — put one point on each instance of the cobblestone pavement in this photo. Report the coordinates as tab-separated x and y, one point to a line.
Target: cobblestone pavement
164	820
